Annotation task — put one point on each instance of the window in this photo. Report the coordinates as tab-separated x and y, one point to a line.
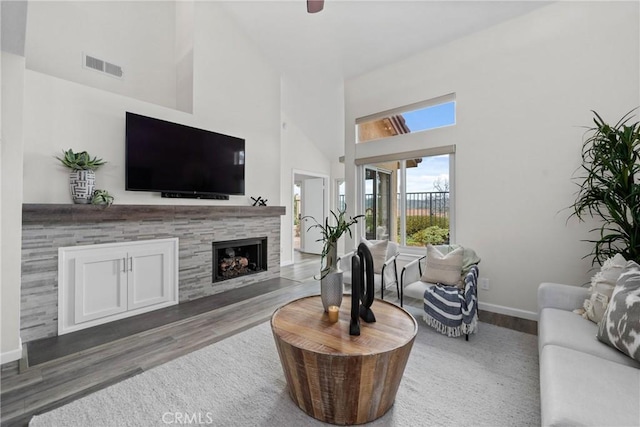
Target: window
342	204
427	201
409	200
412	118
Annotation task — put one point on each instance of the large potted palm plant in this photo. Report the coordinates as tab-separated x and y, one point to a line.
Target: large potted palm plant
609	188
331	286
82	177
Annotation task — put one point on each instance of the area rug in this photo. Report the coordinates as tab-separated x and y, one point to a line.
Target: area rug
492	380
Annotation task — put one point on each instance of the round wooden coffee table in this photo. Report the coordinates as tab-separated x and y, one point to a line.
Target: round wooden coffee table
336	377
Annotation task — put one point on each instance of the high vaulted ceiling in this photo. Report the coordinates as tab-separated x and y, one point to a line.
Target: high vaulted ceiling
352	37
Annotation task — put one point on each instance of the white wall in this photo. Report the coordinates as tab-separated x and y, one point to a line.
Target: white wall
138	36
524	88
303	147
185	16
299	153
236	93
11	204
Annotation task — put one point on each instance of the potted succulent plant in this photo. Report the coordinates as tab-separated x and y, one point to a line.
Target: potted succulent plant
82	177
331	286
101	197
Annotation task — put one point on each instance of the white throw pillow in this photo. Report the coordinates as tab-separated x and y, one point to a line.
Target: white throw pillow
445	269
602	285
378	253
612	269
469	257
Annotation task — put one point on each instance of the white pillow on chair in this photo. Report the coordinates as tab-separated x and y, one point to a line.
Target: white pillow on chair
378	253
445	269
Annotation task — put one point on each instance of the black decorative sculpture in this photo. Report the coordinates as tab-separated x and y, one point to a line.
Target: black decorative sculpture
361	288
354	325
259	201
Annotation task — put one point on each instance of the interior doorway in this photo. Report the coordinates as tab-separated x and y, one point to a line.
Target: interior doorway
310	199
297	215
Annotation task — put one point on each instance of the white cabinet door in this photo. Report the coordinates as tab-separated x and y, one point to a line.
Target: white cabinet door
150	280
100	285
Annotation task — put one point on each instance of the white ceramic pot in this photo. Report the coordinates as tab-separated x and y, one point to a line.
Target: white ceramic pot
331	283
82	184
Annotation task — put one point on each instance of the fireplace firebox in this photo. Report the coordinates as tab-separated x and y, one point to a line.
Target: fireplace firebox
235	258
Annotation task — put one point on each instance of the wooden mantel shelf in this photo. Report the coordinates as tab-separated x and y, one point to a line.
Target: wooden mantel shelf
36	213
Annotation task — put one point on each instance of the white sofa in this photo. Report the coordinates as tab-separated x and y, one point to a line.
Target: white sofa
582	380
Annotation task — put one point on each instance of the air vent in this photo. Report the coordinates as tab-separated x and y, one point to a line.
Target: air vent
114	70
95	63
103	66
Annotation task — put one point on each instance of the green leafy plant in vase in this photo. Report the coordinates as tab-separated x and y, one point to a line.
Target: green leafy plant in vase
82	177
609	188
331	285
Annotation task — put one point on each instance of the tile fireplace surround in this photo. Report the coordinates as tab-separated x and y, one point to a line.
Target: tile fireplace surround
46	227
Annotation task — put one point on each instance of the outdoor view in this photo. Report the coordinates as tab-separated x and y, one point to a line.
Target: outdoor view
426	201
426	207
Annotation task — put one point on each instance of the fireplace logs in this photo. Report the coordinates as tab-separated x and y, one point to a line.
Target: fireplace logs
234	266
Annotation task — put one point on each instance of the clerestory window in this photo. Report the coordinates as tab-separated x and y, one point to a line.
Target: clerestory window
418	117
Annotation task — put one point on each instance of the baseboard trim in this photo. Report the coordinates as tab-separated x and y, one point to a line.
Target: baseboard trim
285	263
12	355
513	312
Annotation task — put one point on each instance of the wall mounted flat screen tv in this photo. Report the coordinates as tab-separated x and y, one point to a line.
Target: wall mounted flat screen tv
182	161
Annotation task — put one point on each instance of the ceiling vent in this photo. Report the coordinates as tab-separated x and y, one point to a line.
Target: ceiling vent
96	64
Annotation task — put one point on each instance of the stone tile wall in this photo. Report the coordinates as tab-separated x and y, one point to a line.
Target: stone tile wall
40	243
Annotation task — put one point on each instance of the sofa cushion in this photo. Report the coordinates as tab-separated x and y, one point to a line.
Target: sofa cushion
567	329
441	268
416	289
620	326
581	389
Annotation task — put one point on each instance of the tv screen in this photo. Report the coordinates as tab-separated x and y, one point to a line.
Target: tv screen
181	160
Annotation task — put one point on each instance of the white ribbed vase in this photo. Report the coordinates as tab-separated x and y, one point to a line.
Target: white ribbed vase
331	284
81	184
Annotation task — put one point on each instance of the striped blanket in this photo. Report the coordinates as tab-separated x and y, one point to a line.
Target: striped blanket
451	310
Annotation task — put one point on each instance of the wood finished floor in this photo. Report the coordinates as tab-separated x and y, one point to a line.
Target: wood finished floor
65	368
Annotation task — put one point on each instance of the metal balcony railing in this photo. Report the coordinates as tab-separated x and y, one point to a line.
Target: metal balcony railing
426	203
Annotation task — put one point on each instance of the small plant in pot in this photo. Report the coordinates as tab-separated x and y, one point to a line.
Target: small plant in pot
102	197
82	177
331	288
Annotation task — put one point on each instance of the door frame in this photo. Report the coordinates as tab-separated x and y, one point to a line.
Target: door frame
297	174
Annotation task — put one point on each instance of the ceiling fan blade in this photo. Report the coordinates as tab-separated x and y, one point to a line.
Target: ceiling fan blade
314	6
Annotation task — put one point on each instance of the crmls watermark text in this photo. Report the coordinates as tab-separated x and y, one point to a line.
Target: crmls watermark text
183	418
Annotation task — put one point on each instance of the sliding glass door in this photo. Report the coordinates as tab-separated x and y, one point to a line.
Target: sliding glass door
377	203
